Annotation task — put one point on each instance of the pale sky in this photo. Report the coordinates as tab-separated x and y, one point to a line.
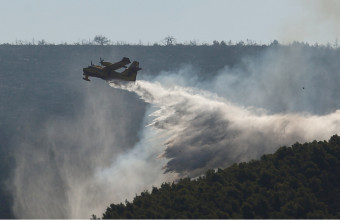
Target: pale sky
150	21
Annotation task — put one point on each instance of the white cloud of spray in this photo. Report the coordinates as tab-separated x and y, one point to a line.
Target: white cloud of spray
207	131
59	172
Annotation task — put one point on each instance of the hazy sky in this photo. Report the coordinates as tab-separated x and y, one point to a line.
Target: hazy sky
149	21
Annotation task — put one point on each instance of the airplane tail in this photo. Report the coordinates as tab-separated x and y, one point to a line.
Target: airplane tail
131	71
125	60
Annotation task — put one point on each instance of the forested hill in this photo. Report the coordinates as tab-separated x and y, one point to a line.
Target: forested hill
302	181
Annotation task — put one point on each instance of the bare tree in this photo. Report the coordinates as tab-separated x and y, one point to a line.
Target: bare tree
100	39
169	40
193	43
336	45
42	42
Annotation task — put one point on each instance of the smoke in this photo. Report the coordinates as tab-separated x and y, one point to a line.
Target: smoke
116	146
289	79
328	12
317	21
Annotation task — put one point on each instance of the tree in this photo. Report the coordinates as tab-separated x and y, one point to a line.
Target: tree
42	42
274	43
336	45
277	186
100	39
241	43
169	41
94	217
216	43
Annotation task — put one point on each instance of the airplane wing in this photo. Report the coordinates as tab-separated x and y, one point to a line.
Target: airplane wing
118	65
114	66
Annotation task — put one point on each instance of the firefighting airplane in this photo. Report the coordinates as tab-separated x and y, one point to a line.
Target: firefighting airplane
107	70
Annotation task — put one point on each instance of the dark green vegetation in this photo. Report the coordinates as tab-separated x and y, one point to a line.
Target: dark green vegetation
302	181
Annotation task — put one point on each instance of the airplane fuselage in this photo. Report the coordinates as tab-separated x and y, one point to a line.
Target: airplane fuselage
129	74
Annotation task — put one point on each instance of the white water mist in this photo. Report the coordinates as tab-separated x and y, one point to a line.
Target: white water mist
210	132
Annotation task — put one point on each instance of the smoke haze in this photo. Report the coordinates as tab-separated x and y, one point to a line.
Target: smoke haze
319	17
117	146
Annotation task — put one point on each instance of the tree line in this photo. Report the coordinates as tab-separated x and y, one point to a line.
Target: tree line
167	41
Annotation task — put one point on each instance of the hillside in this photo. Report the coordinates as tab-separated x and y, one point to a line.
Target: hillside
301	181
